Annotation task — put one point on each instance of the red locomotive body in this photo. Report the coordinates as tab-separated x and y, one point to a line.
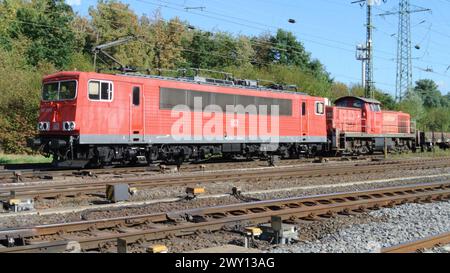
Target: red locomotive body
104	118
359	125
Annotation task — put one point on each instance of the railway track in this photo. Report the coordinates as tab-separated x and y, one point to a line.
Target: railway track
415	246
33	172
47	173
70	189
42	172
94	234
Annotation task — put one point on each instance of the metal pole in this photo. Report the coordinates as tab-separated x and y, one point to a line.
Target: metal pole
369	67
363	74
367	49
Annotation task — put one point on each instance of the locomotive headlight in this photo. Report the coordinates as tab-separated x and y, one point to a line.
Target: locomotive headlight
66	126
69	125
44	126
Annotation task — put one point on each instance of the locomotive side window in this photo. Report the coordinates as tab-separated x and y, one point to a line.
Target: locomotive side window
245	101
320	108
170	97
303	108
57	91
105	91
136	95
205	96
100	90
267	102
285	107
94	90
223	100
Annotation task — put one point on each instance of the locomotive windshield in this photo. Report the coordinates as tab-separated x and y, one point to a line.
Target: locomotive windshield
63	90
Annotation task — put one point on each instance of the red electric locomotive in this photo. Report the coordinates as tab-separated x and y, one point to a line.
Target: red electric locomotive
104	119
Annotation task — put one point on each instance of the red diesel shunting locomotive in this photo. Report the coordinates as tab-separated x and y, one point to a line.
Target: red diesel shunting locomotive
103	119
358	125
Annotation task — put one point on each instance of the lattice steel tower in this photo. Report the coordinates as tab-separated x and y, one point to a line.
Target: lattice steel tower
404	63
404	58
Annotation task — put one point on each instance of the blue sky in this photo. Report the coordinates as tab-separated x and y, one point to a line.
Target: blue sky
329	29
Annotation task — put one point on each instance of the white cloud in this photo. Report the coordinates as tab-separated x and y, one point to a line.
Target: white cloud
74	2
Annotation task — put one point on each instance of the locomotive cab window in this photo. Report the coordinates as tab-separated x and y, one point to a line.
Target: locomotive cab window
320	108
375	108
100	90
136	95
58	91
357	104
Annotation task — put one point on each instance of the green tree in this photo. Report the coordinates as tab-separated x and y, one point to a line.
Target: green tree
429	93
225	47
168	37
413	105
357	90
339	90
47	25
262	46
8	11
287	50
437	119
244	51
200	52
19	99
112	20
387	101
445	100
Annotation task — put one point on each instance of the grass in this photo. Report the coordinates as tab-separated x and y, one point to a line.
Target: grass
20	159
436	153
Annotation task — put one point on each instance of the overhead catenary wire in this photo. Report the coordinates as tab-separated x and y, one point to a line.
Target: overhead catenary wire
320	43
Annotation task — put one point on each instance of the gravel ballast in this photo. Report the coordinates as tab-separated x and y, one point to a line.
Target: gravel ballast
394	226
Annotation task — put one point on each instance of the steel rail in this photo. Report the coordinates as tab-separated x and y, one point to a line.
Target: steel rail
29	173
162	225
53	190
48	173
415	246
